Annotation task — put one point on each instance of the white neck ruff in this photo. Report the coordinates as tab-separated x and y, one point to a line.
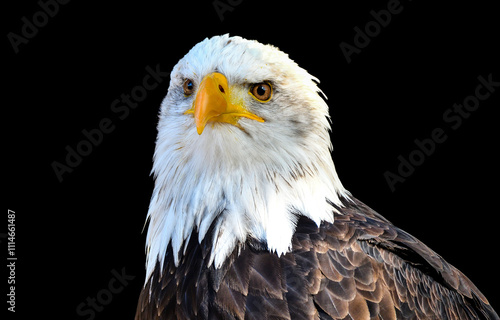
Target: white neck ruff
256	193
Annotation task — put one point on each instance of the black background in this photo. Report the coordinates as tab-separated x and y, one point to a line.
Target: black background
70	235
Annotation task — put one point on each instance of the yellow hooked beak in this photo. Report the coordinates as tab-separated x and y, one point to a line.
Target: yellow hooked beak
213	103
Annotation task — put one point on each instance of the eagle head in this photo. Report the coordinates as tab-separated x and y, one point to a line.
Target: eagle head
243	148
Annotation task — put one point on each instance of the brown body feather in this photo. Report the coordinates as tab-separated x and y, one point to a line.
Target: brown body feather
360	267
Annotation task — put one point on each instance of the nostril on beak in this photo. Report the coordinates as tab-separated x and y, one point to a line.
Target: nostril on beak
221	89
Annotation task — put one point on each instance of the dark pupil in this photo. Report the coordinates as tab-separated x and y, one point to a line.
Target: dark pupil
190	85
261	90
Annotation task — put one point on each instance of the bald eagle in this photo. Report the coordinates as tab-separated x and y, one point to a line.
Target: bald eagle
249	220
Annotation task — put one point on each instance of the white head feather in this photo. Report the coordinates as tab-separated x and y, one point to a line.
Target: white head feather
253	180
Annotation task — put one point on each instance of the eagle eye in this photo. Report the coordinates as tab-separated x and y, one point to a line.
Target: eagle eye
188	87
262	91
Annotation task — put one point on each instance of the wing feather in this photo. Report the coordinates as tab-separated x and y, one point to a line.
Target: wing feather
359	267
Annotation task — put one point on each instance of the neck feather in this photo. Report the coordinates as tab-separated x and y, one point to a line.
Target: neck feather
252	194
